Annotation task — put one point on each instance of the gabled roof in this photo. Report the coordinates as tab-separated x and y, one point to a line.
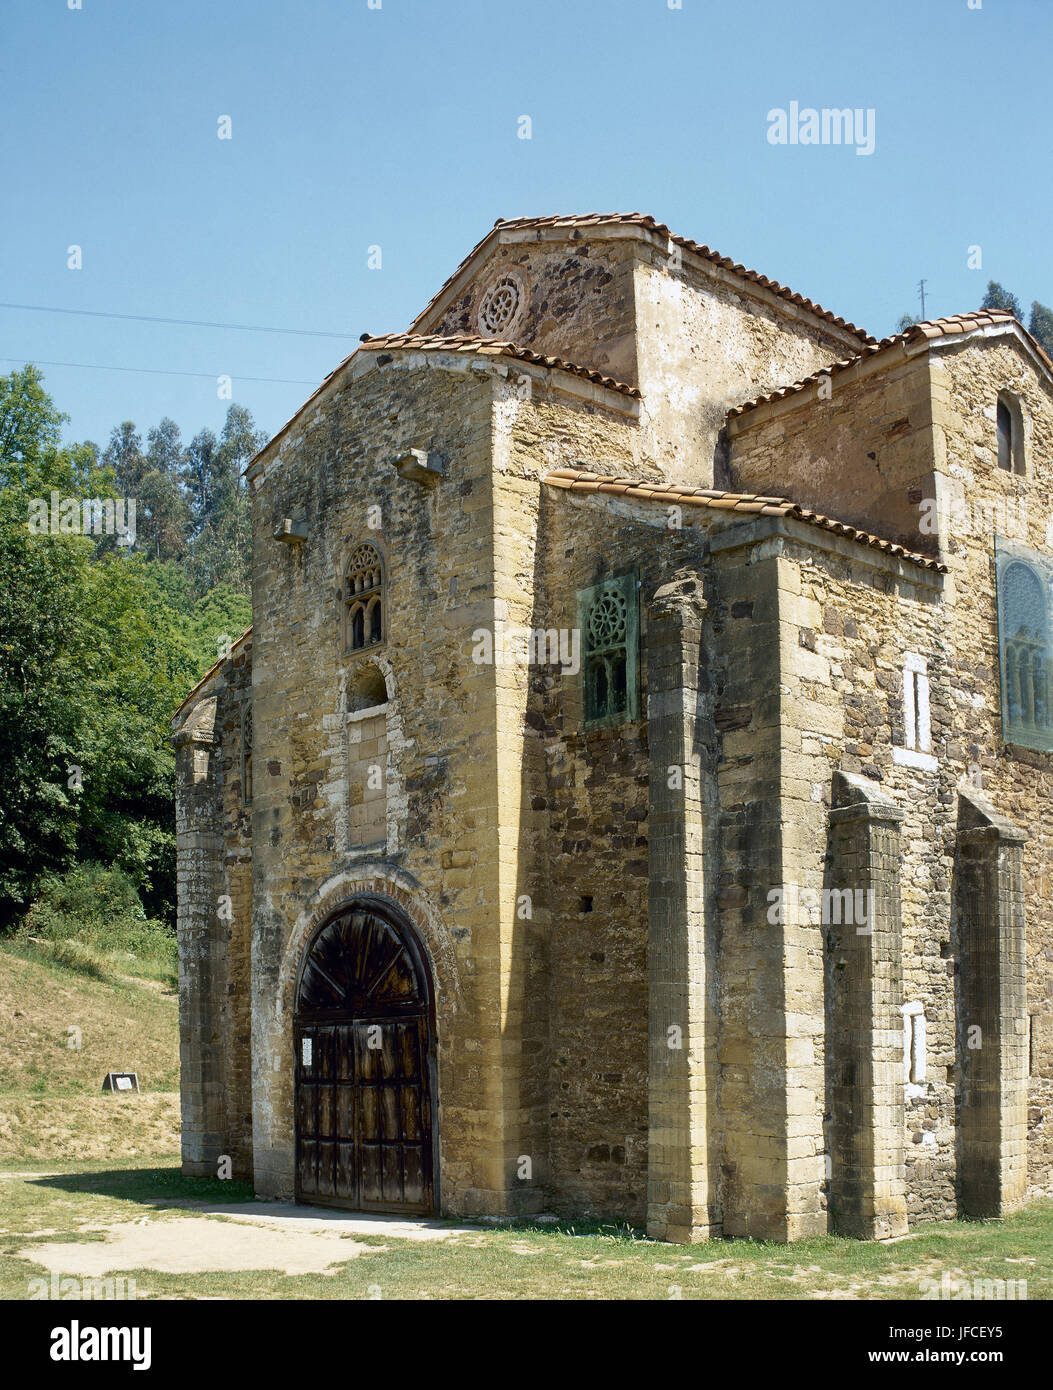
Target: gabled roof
431	342
582	223
915	337
742	503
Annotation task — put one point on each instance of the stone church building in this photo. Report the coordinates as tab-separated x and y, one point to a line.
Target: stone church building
631	799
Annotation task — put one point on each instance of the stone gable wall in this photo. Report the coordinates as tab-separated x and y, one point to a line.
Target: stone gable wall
437	549
579	302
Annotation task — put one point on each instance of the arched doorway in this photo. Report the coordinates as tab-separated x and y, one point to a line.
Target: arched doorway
365	1074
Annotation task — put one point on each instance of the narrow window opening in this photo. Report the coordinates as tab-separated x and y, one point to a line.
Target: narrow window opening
914	1044
1009	426
1005	437
917	719
246	757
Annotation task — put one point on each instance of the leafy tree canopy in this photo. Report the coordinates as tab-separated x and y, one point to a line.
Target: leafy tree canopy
100	642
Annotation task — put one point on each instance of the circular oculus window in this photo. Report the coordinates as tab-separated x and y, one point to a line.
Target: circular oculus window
501	304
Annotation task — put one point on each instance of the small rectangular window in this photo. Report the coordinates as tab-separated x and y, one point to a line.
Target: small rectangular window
917	722
914	1044
1005	437
917	725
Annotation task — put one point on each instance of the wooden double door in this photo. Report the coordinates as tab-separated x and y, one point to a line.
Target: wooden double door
364	1074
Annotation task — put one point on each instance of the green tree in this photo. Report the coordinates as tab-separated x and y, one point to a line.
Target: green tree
997	297
1041	326
222	541
165	519
124	456
30	428
93	661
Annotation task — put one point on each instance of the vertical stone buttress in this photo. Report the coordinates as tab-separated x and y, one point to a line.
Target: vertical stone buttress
202	943
992	1011
681	1046
864	1023
773	835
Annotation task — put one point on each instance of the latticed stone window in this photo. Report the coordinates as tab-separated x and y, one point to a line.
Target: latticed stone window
1025	586
363	599
608	616
502	304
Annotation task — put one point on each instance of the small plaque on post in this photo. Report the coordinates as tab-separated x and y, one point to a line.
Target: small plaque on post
121	1081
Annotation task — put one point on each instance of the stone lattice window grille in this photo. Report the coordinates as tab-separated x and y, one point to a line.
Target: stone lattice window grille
608	619
1025	581
363	596
501	305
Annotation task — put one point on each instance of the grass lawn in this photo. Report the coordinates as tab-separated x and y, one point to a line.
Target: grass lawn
517	1261
118	1180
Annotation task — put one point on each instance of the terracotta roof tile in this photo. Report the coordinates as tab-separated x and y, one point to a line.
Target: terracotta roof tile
916	333
575	224
575	480
487	347
493	347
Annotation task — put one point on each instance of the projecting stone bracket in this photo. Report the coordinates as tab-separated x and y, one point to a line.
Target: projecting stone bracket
421	466
291	532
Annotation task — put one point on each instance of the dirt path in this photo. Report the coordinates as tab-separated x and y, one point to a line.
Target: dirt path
282	1237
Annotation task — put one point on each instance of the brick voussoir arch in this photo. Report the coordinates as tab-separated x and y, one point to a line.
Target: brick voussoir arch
405	894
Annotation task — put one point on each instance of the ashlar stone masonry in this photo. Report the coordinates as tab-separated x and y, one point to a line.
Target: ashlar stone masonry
631	799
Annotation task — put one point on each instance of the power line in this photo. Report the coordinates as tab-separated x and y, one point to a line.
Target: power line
186	323
159	371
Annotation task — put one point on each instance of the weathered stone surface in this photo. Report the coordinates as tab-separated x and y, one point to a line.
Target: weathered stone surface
581	891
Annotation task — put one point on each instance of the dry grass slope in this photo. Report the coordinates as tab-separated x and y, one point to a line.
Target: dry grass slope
51	1105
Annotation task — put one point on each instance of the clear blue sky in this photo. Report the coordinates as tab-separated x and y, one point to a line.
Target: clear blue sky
397	127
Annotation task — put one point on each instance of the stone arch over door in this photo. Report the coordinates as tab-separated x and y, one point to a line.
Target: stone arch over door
365	1077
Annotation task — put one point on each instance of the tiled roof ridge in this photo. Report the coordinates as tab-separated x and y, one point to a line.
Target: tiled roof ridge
493	347
581	480
949	326
645	220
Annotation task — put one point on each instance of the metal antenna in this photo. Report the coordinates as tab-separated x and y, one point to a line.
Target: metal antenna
921	291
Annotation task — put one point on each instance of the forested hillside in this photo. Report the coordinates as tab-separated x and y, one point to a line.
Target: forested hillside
99	642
